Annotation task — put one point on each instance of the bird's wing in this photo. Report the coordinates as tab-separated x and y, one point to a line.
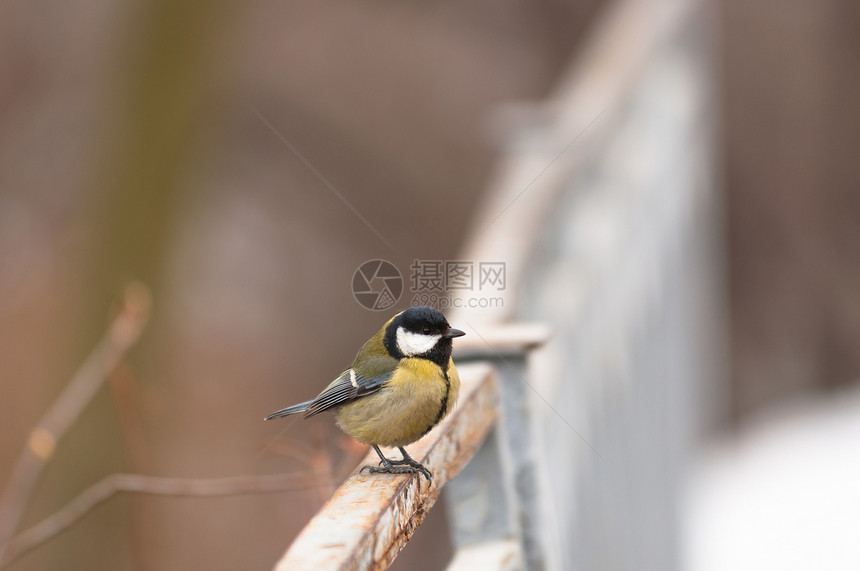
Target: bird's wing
354	383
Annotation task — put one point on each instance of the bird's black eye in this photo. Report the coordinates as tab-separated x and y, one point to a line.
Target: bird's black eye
426	331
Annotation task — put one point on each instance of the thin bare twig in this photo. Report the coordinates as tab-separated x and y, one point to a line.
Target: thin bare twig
122	333
138	483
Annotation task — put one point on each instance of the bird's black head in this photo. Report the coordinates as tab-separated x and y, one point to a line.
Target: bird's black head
420	332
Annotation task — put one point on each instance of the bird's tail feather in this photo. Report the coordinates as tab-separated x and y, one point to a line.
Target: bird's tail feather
301	407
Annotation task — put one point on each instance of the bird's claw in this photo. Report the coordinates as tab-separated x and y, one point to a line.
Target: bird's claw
404	469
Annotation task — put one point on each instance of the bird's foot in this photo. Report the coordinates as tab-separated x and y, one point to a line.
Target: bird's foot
400	467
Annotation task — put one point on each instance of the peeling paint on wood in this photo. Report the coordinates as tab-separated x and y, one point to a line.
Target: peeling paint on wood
372	516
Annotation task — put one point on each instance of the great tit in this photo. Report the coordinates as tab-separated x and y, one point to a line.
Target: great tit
401	384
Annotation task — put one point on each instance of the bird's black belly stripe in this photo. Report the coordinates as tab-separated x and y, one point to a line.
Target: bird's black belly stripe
444	405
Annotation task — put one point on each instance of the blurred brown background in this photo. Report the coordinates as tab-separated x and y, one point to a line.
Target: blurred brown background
792	130
132	146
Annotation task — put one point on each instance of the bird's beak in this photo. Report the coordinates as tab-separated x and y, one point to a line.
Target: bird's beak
454	333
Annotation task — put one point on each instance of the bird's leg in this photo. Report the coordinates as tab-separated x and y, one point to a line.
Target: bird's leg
407	459
405	466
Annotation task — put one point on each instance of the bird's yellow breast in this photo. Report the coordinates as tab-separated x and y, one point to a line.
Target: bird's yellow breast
415	399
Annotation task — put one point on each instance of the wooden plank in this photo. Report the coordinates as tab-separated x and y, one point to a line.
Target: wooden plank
372	516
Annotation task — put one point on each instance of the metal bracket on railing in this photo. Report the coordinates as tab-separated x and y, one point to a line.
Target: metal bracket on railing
494	503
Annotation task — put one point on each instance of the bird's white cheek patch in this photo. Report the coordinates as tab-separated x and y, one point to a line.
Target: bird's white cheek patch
415	343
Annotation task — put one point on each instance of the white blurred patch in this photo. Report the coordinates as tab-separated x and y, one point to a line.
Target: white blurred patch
411	343
784	495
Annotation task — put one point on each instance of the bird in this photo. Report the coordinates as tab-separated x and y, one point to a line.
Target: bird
401	384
